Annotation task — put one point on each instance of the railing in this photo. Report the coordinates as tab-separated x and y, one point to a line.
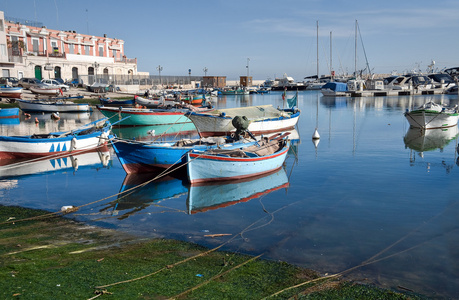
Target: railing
126	60
152	80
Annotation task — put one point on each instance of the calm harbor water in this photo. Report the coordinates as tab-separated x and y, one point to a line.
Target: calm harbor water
371	192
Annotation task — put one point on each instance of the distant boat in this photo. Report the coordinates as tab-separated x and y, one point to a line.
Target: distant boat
150	102
214	195
82	139
53	106
10	92
9	113
263	119
45	90
129	102
142	117
194	99
222	164
432	115
143	157
235	92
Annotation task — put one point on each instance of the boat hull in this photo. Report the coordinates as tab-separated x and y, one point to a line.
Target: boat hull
211	125
53	106
12	147
45	91
9	113
138	157
431	119
11	92
205	167
142	117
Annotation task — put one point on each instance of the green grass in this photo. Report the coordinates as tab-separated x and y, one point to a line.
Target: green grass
61	259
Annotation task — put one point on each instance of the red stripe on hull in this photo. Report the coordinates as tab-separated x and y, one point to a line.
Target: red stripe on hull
260	132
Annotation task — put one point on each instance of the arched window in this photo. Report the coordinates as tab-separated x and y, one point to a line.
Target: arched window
74	73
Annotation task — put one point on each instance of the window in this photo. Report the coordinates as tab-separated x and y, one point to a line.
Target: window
1	25
35	45
114	53
101	50
86	50
3	49
71	48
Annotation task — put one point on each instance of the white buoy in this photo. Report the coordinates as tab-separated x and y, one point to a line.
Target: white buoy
316	135
316	142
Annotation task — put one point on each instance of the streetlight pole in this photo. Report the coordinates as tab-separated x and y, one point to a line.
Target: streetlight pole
248	59
159	68
205	71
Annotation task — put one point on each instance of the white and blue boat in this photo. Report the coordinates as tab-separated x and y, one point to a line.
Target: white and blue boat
222	165
88	137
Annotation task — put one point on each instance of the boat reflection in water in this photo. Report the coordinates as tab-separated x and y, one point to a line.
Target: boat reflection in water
156	132
209	196
430	140
139	191
21	167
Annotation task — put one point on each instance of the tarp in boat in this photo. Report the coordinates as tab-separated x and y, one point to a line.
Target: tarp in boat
336	86
251	112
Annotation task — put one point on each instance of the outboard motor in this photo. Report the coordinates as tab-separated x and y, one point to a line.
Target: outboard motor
241	124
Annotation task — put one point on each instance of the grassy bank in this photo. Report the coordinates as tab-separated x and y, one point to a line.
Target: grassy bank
57	258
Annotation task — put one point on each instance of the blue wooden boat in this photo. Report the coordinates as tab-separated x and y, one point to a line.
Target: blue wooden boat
222	164
9	113
129	102
143	157
82	139
214	195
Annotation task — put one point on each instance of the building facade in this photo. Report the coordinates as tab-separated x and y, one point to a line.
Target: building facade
29	51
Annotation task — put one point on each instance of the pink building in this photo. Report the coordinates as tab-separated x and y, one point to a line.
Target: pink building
46	53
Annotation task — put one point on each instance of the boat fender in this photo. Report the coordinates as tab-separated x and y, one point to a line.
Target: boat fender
103	138
75	164
223	114
73	144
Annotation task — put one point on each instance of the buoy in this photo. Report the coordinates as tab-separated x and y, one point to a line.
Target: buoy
316	142
55	116
36	120
151	132
316	135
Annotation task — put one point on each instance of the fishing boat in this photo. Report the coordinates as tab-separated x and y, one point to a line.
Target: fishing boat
431	115
7	113
144	116
53	106
82	139
262	119
129	102
221	164
10	92
153	156
45	90
214	195
230	91
156	132
195	99
24	167
150	102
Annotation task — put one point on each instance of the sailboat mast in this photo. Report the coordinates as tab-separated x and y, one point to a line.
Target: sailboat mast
355	50
331	59
317	50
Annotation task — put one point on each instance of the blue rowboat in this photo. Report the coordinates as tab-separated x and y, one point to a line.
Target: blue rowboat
142	117
88	137
129	102
144	157
221	165
9	113
214	195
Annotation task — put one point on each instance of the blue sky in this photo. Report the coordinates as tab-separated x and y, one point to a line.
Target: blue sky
277	36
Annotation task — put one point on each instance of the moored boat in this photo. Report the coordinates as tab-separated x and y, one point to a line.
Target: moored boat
262	119
432	115
128	102
10	92
143	157
53	106
45	90
142	117
221	164
9	113
82	139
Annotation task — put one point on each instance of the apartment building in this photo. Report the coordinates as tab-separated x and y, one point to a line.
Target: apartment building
36	51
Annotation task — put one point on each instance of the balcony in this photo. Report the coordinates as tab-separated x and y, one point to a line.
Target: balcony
126	60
